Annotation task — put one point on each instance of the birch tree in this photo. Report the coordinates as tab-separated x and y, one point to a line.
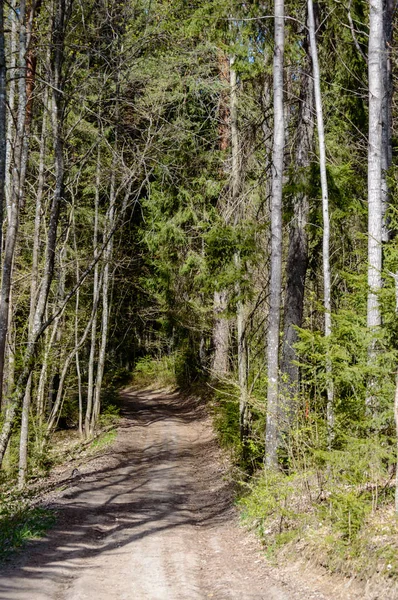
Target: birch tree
325	216
3	125
16	192
375	189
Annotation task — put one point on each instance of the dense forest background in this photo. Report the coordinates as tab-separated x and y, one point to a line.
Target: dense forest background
205	192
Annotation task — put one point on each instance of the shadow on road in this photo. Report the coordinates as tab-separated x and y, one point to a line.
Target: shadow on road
160	477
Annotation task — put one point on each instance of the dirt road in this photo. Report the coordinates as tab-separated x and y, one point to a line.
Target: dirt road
152	520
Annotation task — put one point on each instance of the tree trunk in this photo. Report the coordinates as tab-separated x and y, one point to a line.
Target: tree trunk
297	259
96	291
386	152
271	437
11	118
77	359
56	409
23	447
3	129
375	194
236	184
105	310
220	335
326	224
16	192
220	362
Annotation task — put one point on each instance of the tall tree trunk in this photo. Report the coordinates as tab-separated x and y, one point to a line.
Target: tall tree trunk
220	362
386	152
11	117
3	126
23	446
220	336
16	193
325	214
375	194
105	309
236	184
77	358
271	436
96	291
297	259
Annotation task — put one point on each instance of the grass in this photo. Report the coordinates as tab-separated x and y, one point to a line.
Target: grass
152	372
104	440
20	523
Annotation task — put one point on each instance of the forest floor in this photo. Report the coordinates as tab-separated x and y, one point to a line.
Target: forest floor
152	518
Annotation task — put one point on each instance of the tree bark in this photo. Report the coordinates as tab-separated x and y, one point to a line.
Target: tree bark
220	335
326	222
105	310
272	427
3	125
220	362
236	185
16	192
386	108
375	188
297	259
96	291
23	447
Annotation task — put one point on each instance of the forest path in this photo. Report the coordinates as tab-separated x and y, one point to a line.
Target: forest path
153	521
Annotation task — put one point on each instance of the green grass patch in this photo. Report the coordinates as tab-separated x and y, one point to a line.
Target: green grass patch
20	523
105	439
155	372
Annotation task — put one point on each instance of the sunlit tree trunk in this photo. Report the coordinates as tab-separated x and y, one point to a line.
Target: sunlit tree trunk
238	210
220	336
77	357
386	108
23	446
96	291
375	189
3	127
326	221
105	308
271	436
16	193
11	117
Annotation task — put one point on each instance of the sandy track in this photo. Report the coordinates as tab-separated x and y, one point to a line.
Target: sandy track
154	521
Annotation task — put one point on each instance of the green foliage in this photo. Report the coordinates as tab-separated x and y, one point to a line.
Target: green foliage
226	417
153	372
104	440
19	523
110	414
